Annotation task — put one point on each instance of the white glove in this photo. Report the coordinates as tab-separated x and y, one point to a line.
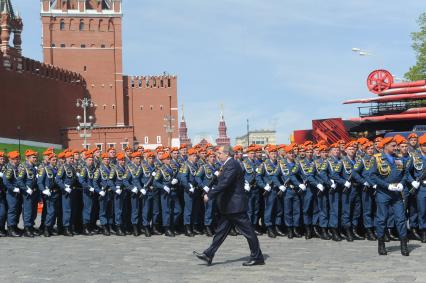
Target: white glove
167	189
135	190
46	192
206	189
392	187
247	187
191	187
143	191
267	187
16	190
174	181
67	186
102	193
347	184
29	191
282	188
118	191
1	174
366	184
415	184
399	187
91	189
216	173
302	187
153	174
78	174
375	187
192	190
320	187
117	187
68	190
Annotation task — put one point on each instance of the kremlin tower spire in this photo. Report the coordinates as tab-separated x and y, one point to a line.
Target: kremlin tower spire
183	131
222	139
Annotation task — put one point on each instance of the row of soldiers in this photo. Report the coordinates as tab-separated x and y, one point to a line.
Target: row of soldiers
351	190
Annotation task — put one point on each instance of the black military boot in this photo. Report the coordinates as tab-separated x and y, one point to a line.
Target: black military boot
196	230
232	232
404	247
382	247
156	230
296	233
392	235
356	235
386	236
271	232
424	236
13	232
324	235
106	231
169	232
86	230
147	231
348	234
46	232
416	234
335	235
279	231
67	232
308	232
135	230
3	232
370	234
188	231
318	231
55	232
208	231
290	233
119	231
257	230
28	233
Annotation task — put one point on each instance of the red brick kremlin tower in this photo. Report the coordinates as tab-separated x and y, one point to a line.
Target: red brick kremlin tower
183	131
222	139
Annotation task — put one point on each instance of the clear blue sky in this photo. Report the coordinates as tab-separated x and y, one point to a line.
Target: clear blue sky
277	63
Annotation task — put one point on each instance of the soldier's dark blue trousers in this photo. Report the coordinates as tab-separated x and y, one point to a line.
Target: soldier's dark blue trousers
292	213
322	205
170	207
385	200
68	208
151	208
254	206
105	209
118	208
51	209
3	210
308	201
367	208
87	207
28	208
209	209
421	206
135	205
351	207
273	209
192	210
334	199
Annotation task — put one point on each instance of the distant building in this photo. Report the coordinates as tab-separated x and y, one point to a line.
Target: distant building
260	137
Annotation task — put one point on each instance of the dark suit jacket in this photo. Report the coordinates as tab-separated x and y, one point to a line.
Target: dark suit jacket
229	191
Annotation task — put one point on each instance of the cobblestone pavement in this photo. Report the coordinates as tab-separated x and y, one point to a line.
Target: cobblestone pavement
161	259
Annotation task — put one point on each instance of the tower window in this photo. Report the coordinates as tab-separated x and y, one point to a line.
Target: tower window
151	107
102	45
161	107
169	82
81	27
85	68
53	45
62	25
83	46
62	45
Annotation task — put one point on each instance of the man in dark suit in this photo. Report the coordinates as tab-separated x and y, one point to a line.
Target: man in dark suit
232	203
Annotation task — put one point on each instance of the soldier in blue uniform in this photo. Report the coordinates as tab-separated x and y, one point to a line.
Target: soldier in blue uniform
206	179
103	190
289	191
166	182
133	182
150	198
192	196
13	194
390	176
266	179
416	178
116	184
40	168
86	181
27	183
250	165
3	203
67	180
47	185
334	168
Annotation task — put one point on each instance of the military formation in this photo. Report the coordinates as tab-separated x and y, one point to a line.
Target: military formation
362	189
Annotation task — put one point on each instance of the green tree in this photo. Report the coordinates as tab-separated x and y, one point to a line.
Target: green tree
418	71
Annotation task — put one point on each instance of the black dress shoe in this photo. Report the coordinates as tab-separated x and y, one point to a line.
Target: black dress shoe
308	232
147	232
28	233
348	234
382	247
119	231
55	232
197	231
188	231
46	232
279	232
335	235
168	232
271	232
135	230
257	231
86	231
156	230
416	235
203	257
356	235
324	235
13	232
290	234
296	233
105	230
3	233
404	247
370	234
67	232
208	231
318	231
253	262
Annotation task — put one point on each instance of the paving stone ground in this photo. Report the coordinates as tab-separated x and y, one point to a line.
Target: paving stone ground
162	259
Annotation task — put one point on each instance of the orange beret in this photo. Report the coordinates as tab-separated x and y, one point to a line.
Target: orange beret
322	148
136	154
174	149
51	156
400	139
13	155
306	143
238	148
128	148
422	139
192	151
88	155
47	152
289	148
362	140
272	149
95	149
250	149
111	148
367	145
30	152
412	135
378	139
165	156
322	142
68	154
183	146
150	154
61	155
351	144
385	141
104	155
210	153
121	156
334	145
202	149
1	154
